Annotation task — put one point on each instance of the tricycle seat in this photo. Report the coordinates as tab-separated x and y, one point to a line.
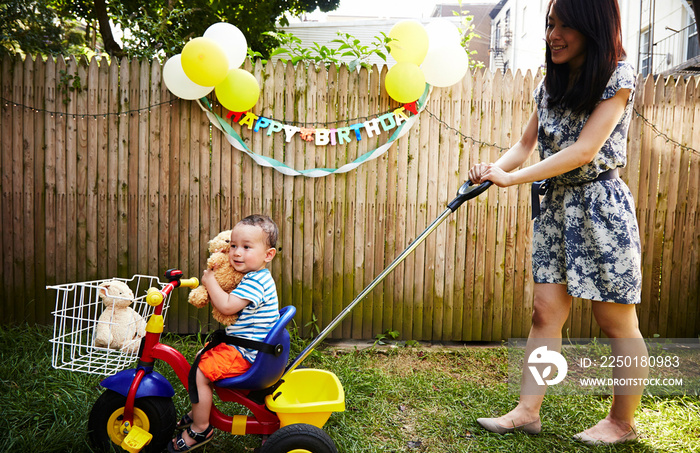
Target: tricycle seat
267	368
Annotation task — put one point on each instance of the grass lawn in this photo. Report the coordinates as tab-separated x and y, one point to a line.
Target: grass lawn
404	399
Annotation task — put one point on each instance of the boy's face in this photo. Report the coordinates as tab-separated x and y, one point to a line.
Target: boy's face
249	251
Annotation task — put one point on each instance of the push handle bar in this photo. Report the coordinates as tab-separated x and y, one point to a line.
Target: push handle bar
467	192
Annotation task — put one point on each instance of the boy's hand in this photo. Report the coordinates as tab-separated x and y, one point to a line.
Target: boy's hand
207	276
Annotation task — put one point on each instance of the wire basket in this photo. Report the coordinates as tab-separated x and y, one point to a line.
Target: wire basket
82	323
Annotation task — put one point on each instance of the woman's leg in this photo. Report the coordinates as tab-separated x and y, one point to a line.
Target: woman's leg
619	323
551	309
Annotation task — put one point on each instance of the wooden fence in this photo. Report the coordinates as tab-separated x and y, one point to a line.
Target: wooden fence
105	173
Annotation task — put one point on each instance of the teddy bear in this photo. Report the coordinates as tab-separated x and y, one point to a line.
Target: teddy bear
227	277
119	326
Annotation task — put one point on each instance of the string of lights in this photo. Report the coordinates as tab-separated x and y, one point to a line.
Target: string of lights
465	137
661	134
656	130
170	102
7	102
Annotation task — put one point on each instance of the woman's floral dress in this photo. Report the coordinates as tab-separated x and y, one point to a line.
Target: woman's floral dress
586	235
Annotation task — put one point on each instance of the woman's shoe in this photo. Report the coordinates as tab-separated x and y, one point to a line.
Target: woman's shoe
489	424
588	440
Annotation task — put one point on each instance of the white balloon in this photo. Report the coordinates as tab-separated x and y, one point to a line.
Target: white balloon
178	83
445	65
232	40
442	32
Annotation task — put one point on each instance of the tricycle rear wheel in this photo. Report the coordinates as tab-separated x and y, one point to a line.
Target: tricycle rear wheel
299	437
154	414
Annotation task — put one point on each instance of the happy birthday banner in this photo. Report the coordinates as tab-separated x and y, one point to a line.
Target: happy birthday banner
397	119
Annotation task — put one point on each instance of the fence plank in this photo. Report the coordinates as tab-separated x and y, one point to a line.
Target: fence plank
50	171
92	156
81	172
28	182
461	303
163	193
451	176
360	317
99	80
154	164
432	294
113	147
276	101
329	115
18	248
376	220
8	191
341	270
321	305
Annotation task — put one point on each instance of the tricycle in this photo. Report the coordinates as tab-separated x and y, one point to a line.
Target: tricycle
288	405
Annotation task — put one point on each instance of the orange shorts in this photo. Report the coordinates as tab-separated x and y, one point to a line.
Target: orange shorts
223	361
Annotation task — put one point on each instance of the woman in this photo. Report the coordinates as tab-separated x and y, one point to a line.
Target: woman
586	239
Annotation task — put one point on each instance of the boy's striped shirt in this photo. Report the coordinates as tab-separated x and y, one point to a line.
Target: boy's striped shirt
257	318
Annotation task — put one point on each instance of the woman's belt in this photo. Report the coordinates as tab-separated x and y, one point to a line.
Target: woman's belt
541	188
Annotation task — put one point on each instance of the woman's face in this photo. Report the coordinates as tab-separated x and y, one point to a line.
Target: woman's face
566	45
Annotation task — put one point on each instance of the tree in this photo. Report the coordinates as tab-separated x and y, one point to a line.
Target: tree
34	27
162	27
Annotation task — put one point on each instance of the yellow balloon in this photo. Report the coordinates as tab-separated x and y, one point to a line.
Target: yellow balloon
204	61
404	82
409	42
239	91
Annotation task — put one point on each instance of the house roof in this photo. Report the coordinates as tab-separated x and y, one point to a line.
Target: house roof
496	9
450	9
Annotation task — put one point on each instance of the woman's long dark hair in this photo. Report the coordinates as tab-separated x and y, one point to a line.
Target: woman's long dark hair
599	22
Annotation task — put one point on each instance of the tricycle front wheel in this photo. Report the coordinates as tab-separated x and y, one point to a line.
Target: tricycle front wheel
299	437
154	414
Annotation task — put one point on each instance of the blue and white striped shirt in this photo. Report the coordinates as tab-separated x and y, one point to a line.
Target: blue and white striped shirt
257	318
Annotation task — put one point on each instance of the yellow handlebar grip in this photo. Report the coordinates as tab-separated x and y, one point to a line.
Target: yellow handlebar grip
154	297
189	282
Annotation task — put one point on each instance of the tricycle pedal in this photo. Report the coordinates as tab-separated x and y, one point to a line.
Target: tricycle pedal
136	439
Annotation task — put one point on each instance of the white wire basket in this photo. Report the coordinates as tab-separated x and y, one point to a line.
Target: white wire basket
82	322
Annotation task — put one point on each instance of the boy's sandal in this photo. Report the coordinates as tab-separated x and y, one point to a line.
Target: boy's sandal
185	422
199	439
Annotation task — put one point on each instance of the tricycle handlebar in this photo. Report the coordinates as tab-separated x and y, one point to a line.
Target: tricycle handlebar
155	296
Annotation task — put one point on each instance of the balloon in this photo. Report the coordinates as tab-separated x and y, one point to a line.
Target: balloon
410	42
404	82
204	61
232	40
239	91
442	32
178	83
445	65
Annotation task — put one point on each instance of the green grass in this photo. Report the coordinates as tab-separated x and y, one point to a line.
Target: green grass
397	400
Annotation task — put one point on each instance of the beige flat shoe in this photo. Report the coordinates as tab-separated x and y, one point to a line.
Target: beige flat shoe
489	424
588	440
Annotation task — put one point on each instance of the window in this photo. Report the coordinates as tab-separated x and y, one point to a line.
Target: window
497	37
693	47
644	53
